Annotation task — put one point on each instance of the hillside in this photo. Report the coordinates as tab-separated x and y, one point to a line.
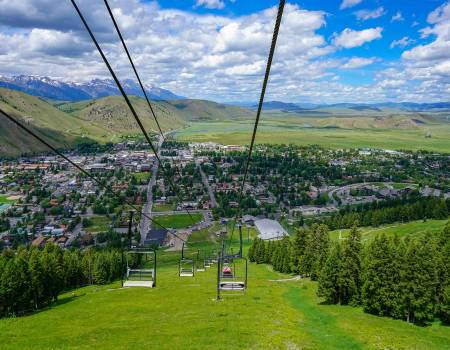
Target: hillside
201	110
183	313
60	129
113	114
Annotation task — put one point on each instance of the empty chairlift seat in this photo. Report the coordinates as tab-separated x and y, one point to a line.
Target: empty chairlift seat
141	269
186	268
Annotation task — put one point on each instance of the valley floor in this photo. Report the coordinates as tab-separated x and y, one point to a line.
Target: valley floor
282	132
182	313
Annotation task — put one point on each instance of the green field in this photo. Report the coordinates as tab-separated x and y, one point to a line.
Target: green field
98	224
276	312
413	228
163	207
142	177
184	314
178	221
5	200
292	132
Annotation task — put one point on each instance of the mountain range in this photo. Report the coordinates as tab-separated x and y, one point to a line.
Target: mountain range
374	107
52	89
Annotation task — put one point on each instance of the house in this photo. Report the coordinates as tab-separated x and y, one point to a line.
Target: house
39	242
249	220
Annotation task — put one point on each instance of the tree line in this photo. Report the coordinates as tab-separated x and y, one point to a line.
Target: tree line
422	209
31	279
406	279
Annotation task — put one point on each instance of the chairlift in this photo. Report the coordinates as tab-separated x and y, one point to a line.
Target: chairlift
140	269
232	271
200	263
185	266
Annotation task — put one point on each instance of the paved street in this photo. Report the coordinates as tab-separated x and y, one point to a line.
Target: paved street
212	198
147	209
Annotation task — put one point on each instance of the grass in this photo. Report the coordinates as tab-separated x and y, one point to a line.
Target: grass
98	224
280	132
163	207
414	228
5	200
142	177
179	221
183	313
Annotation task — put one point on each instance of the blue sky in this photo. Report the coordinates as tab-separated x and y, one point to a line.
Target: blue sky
329	51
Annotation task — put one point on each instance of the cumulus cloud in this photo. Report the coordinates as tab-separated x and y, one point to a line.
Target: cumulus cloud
439	49
402	43
358	62
398	17
349	3
216	56
364	15
350	38
202	56
210	4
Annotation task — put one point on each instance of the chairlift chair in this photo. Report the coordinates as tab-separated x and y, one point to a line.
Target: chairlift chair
231	279
140	271
186	266
200	263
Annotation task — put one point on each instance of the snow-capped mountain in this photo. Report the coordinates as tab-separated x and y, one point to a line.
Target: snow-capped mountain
69	91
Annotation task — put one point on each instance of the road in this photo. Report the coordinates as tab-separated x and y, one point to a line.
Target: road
74	234
212	198
147	209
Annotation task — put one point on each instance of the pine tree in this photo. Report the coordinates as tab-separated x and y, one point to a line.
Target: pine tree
349	277
443	288
298	249
252	249
36	278
285	263
268	252
418	282
445	305
328	287
261	252
320	244
381	275
100	269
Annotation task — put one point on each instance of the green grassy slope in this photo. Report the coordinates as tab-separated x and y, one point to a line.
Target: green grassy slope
413	228
276	312
60	129
113	114
201	110
182	313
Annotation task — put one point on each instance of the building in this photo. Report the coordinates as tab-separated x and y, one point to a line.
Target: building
156	236
270	230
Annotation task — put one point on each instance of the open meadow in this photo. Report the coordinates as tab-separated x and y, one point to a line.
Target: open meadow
178	221
411	229
291	131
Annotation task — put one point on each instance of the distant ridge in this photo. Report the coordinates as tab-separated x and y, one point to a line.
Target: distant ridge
374	107
52	89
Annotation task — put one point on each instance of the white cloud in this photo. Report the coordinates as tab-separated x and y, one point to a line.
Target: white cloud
349	3
398	17
402	43
217	57
364	15
358	62
210	4
353	38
